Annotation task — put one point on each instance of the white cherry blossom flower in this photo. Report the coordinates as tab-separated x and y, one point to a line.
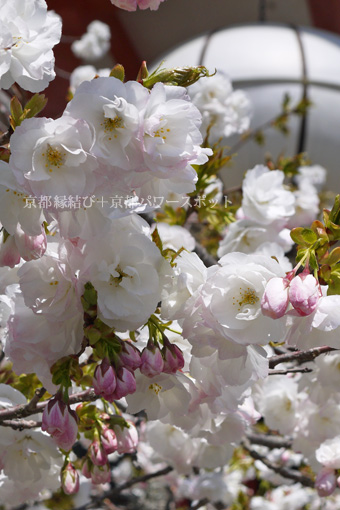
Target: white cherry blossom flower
28	34
265	199
229	303
53	157
29	460
226	111
126	276
94	43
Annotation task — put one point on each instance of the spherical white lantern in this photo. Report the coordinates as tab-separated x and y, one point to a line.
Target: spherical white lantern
268	61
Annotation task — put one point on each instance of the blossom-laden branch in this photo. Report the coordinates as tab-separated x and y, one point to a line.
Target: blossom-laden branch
117	490
281	470
300	356
24	410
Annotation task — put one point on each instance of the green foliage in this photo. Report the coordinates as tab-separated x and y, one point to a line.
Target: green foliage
26	384
178	76
118	72
59	501
34	106
303	236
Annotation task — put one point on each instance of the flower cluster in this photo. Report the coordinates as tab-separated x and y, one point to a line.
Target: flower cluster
147	336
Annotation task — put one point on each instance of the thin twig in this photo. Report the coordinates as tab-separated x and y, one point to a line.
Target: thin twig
300	356
290	371
117	490
281	470
270	441
38	394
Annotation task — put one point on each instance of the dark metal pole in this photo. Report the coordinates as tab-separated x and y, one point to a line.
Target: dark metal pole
262	10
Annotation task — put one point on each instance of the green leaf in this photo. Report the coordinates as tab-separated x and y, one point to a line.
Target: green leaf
16	112
35	105
90	294
313	263
303	236
118	72
333	257
157	240
334	283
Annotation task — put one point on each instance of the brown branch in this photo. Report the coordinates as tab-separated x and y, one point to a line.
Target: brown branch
38	394
290	371
20	424
281	470
24	410
117	490
269	441
300	356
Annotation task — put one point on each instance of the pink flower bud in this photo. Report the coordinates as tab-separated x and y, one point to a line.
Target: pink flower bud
275	301
127	438
109	440
325	482
86	469
100	474
126	384
304	293
104	379
70	479
97	453
9	254
61	422
173	357
130	356
152	361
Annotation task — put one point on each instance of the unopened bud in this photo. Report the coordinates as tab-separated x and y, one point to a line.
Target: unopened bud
104	379
97	453
126	384
61	422
304	293
173	357
109	440
70	479
275	300
152	361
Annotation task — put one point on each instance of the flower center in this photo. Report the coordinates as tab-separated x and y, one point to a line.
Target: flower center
111	124
155	387
54	157
115	280
245	297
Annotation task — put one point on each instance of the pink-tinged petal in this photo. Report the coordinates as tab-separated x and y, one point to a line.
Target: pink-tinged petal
152	361
325	482
70	479
104	380
304	293
275	300
127	438
109	440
